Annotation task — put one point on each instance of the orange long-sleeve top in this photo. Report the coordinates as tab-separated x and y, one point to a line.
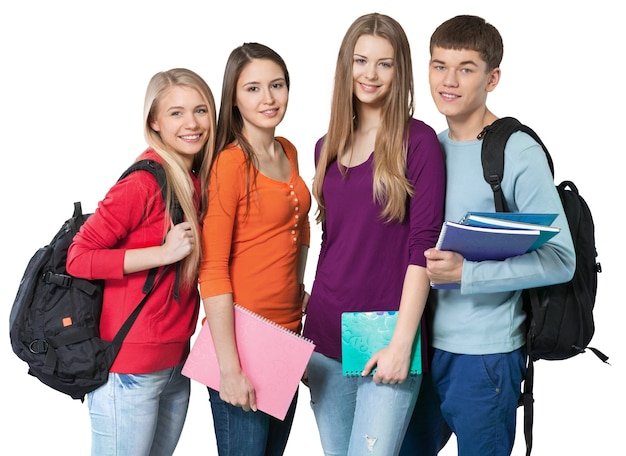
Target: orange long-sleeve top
252	248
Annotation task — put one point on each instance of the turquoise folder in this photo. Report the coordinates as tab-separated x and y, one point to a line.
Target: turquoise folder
364	333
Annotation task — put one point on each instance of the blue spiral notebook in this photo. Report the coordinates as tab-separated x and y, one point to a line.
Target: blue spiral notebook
364	333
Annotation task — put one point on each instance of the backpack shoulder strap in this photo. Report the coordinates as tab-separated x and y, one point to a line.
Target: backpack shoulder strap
158	172
494	138
176	213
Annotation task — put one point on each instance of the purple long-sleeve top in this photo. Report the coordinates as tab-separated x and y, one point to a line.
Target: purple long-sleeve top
363	259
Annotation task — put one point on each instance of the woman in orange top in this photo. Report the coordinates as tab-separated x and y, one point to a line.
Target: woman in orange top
255	239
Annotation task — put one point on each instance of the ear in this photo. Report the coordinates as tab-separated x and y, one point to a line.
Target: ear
154	125
493	79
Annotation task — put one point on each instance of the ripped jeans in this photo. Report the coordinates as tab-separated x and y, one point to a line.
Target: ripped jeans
355	416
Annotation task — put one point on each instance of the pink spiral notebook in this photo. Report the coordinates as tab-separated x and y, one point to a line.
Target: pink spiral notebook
273	358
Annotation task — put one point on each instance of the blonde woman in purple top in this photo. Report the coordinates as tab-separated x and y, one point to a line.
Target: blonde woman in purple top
379	185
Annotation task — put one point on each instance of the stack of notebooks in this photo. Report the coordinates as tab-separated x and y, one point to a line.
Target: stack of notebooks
481	236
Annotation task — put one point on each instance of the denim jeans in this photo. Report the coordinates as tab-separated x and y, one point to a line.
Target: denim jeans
428	432
250	433
477	396
354	415
139	414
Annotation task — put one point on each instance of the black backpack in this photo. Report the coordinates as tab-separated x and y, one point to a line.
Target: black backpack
54	320
560	321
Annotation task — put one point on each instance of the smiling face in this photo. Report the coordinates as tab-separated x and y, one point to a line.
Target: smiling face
372	69
182	120
459	83
262	95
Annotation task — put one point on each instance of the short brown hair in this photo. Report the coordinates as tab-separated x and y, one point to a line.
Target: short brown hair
472	33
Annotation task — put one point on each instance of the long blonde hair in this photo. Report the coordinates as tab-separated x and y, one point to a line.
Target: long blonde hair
178	180
391	187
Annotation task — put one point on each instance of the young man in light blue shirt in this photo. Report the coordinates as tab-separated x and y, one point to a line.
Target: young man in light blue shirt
478	331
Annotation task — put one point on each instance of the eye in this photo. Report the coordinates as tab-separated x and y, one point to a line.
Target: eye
201	111
386	64
277	85
466	70
253	89
175	113
360	61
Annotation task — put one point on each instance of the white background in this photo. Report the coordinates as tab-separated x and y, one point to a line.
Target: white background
71	97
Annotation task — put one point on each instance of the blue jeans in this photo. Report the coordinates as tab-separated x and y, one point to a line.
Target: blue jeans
477	396
354	415
250	433
428	432
139	414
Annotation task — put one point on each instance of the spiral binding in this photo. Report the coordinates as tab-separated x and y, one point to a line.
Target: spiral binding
358	373
352	374
270	322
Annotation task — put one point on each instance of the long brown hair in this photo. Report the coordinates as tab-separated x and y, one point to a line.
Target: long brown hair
229	121
391	187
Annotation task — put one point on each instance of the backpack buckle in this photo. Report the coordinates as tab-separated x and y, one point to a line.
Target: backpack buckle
38	346
494	181
62	280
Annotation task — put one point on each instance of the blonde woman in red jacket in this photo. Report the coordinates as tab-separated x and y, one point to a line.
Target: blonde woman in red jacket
141	409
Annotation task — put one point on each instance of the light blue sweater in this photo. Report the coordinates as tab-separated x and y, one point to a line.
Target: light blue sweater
485	316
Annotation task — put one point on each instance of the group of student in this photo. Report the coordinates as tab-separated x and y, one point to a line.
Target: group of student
384	182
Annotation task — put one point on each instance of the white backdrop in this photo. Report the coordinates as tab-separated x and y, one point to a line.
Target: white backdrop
71	95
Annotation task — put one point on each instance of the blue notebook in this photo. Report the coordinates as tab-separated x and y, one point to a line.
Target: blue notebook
519	221
364	333
477	243
525	217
